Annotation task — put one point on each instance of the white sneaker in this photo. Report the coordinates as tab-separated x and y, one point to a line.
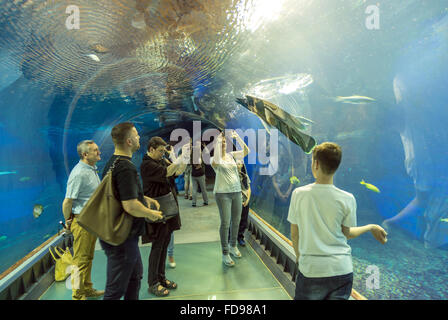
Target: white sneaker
227	260
235	252
171	262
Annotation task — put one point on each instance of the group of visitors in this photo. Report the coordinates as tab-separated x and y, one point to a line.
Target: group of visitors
322	216
124	264
138	194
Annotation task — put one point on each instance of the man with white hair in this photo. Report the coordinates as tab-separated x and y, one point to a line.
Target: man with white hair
82	182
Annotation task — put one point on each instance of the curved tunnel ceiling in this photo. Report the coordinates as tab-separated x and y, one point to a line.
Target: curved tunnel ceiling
194	57
160	51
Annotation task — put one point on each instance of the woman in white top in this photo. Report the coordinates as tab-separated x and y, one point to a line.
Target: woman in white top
227	192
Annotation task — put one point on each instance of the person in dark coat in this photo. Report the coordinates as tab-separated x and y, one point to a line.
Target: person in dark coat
155	173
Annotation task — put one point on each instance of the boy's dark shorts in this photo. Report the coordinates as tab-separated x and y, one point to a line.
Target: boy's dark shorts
327	288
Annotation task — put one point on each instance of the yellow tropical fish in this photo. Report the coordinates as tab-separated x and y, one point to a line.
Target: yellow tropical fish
294	180
370	186
444	220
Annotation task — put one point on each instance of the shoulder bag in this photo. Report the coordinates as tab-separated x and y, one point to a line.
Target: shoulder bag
168	206
104	216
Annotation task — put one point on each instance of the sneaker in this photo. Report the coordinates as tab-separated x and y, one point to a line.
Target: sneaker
191	198
193	204
171	262
205	203
235	252
242	242
93	293
227	260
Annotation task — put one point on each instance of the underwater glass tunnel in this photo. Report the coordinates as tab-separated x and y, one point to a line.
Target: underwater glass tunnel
371	76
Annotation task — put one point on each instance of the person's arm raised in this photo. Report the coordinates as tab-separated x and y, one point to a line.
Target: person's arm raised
217	156
246	149
179	165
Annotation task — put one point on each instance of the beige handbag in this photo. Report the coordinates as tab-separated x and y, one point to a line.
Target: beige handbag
63	263
104	216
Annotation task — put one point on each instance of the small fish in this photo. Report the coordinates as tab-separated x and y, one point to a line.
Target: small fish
294	180
46	236
444	220
2	173
351	134
370	186
3	238
354	99
23	179
99	48
94	57
37	210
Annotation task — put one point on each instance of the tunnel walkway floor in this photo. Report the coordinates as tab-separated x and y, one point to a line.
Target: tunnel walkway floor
199	272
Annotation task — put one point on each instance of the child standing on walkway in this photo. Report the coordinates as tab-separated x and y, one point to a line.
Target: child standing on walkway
322	218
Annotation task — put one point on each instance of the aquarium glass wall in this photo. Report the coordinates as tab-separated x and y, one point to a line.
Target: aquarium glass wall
371	76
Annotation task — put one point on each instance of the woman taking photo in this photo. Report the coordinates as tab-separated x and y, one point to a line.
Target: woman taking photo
227	191
155	173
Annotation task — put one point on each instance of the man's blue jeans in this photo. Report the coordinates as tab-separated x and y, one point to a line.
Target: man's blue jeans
327	288
124	270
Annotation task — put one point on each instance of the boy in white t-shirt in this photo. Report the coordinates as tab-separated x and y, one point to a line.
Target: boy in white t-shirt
322	218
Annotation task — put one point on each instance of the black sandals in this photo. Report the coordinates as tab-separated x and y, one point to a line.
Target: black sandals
159	292
169	284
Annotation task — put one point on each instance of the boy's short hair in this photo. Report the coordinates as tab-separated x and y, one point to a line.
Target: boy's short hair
121	132
329	155
156	142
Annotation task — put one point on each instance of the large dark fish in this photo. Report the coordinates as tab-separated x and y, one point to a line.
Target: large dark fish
274	116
